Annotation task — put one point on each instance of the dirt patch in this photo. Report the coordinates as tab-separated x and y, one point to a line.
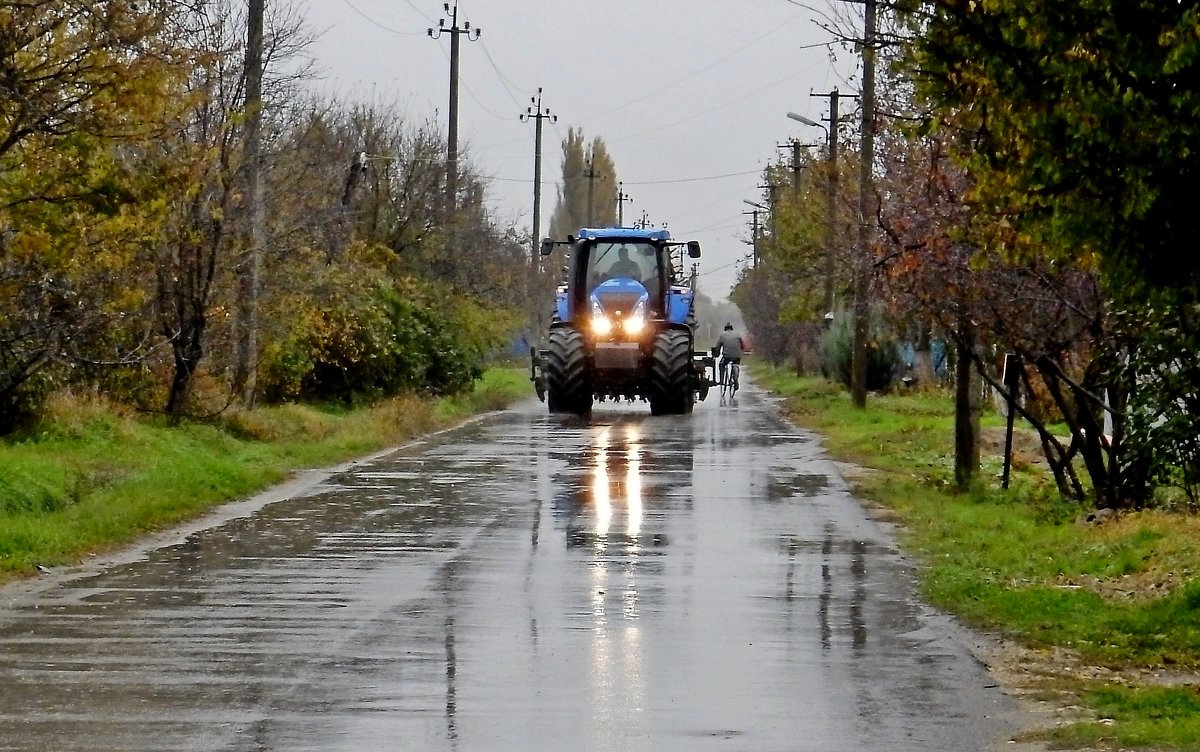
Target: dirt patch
1143	586
1026	447
1039	680
1047	682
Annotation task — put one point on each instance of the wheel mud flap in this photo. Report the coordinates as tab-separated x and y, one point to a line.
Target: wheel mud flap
537	373
701	362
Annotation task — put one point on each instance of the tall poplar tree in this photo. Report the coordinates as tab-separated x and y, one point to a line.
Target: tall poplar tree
587	172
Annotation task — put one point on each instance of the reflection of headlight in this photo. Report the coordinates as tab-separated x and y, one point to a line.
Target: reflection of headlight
634	324
601	325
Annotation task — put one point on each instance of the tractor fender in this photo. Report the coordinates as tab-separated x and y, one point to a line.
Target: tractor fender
679	305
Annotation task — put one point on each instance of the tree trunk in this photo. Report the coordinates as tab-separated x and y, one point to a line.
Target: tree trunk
247	344
188	350
967	401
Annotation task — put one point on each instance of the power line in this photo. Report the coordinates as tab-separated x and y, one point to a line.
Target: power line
475	98
715	227
705	208
693	180
789	77
693	74
719	268
420	12
653	182
388	29
504	81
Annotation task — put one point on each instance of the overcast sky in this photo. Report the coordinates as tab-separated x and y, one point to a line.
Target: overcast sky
690	97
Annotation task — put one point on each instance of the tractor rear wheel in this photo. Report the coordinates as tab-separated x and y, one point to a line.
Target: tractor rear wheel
568	387
670	387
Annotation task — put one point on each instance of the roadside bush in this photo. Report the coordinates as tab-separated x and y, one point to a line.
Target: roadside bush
883	353
398	336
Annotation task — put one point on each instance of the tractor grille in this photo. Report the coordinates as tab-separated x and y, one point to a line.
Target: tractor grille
624	302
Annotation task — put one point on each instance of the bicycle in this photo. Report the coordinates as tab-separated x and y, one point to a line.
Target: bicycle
729	378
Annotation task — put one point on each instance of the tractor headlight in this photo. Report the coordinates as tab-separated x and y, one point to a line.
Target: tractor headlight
636	323
602	326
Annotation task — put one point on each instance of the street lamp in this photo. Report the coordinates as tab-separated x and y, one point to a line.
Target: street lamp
807	121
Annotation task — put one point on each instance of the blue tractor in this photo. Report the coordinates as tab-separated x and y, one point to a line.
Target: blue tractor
624	325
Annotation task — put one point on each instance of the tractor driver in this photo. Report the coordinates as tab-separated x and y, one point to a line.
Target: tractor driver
625	266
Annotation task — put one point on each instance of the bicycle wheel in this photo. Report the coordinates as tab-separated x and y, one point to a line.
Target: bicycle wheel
734	372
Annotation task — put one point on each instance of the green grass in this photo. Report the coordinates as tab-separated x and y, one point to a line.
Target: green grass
1121	595
92	476
1142	717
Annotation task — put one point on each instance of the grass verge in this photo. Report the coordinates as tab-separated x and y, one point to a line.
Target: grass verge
93	476
1107	616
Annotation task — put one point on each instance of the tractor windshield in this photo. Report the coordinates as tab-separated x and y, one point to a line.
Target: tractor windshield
636	260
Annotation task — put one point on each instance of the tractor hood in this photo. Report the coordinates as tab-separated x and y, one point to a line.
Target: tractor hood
620	297
619	310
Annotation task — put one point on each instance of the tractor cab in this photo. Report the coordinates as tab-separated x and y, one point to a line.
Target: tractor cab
618	272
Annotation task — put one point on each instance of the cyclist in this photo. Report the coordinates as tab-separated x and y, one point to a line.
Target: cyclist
730	346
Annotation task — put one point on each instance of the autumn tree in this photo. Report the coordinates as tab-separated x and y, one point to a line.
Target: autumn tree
83	86
1095	176
195	257
782	296
1082	121
123	218
588	174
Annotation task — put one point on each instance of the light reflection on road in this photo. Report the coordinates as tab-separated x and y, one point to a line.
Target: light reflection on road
617	690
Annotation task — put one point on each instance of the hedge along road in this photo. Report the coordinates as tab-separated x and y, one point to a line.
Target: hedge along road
523	582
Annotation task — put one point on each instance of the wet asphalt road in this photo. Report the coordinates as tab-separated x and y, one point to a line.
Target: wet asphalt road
527	583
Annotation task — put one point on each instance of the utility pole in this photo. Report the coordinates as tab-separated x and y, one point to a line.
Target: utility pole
772	208
862	266
831	205
536	113
797	165
754	236
246	364
452	138
754	245
797	162
590	173
758	208
622	197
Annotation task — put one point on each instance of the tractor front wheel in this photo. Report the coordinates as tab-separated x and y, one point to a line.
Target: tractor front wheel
567	384
670	385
